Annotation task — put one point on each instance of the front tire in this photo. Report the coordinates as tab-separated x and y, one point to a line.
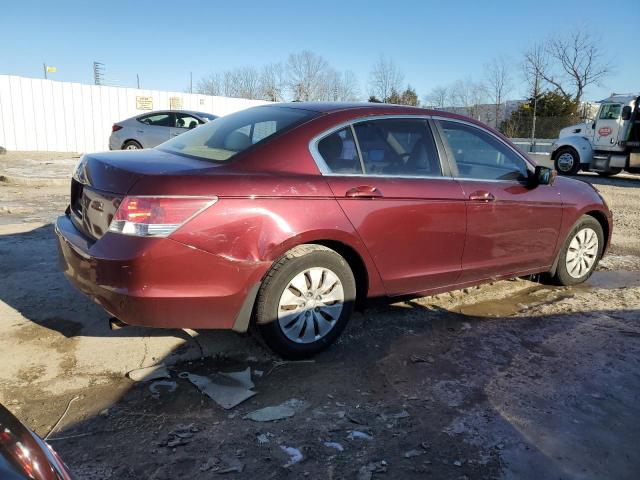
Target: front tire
567	161
580	253
305	301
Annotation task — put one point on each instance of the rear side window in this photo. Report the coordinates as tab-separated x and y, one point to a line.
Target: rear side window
339	152
393	147
398	148
225	137
479	155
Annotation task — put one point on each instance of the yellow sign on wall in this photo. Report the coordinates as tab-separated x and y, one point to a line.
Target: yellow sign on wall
175	103
144	103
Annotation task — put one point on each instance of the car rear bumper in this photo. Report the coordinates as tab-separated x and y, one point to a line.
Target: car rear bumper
157	282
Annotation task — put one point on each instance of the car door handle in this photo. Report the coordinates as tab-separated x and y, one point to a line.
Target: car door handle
482	196
364	191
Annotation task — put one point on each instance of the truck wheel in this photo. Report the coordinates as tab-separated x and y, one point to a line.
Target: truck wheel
305	301
580	253
610	173
567	161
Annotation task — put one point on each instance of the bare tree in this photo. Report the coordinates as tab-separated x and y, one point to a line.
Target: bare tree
438	98
340	87
535	68
469	95
579	59
306	76
498	84
272	82
385	77
245	82
210	85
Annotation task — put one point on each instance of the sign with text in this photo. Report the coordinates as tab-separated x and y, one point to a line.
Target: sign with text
175	103
144	103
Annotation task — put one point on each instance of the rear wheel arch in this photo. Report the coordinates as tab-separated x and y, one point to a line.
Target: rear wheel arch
130	140
348	252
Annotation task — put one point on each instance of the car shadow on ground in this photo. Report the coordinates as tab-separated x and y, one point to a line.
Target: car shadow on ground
626	181
436	393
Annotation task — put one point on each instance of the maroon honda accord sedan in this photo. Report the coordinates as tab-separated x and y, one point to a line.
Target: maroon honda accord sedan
291	215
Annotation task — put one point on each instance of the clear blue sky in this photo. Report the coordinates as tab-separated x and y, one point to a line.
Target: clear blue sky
433	43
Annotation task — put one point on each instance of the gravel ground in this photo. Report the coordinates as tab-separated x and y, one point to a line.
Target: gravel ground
509	380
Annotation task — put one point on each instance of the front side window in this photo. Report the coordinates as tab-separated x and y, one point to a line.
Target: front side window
158	120
479	155
225	137
610	111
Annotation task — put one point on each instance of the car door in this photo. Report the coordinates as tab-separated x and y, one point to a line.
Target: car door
155	128
387	177
512	228
607	126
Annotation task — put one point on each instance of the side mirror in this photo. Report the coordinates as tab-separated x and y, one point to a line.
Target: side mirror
626	112
542	176
593	125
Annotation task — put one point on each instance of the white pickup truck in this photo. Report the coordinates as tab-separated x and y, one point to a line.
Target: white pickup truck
608	145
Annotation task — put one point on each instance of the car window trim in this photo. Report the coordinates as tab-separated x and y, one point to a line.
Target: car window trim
326	171
451	159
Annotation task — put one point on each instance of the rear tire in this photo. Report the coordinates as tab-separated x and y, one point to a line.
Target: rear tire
131	145
580	253
305	301
610	173
567	161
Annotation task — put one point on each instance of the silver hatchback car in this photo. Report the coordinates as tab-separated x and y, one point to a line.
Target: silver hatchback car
153	128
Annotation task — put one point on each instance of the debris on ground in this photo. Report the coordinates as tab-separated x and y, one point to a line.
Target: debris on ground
356	434
334	445
231	465
227	389
149	373
412	453
278	412
263	438
366	471
169	386
181	435
295	455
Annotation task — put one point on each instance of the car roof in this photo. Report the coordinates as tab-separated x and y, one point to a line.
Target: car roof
190	112
370	108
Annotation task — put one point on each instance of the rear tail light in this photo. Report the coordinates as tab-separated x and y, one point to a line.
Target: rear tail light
146	216
116	127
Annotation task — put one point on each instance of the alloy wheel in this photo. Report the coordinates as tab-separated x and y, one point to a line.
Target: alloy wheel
310	305
582	253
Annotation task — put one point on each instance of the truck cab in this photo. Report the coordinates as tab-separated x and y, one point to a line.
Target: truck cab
607	145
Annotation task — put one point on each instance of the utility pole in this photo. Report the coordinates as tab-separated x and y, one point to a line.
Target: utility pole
44	67
138	80
98	73
190	82
535	108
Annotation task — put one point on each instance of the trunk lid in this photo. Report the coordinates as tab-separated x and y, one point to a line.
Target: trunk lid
102	180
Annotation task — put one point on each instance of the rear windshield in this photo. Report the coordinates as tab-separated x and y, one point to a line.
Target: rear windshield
224	137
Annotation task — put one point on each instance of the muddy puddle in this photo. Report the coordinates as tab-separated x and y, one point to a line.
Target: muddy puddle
546	294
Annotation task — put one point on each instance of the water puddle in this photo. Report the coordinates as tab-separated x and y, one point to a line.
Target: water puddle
611	279
545	294
514	303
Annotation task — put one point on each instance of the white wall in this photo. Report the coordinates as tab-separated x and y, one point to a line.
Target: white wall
46	115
